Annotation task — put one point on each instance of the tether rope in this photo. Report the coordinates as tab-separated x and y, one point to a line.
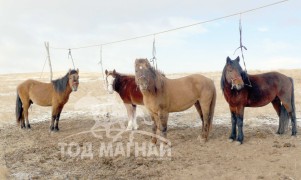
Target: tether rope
241	47
70	56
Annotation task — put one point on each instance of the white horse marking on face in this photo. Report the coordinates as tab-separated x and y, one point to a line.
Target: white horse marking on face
110	80
140	67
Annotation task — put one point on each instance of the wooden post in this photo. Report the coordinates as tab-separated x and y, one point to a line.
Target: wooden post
48	57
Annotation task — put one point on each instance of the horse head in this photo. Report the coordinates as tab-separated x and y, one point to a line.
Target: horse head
110	78
73	79
143	73
234	74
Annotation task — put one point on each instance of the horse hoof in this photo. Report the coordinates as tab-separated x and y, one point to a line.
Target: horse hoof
128	128
28	126
56	129
136	127
230	140
203	140
238	143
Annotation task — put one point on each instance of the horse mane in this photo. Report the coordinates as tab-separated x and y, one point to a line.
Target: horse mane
155	80
60	84
119	80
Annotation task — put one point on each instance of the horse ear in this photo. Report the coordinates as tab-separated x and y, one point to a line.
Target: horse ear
106	71
228	60
114	71
69	71
77	70
237	59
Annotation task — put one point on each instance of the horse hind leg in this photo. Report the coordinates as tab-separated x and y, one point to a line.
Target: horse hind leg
25	111
282	114
199	109
206	120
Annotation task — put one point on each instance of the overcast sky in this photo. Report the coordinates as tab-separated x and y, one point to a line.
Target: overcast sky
272	35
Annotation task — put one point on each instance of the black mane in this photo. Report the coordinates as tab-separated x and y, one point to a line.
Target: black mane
60	84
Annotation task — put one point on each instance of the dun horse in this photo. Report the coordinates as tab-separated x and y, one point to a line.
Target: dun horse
162	96
130	94
55	94
242	90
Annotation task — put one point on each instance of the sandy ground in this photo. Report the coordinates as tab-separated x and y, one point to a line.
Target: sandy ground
38	153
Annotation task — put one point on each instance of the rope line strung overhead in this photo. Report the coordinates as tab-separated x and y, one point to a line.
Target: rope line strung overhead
174	29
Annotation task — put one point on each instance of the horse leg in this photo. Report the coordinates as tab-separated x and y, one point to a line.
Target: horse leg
277	106
163	124
53	116
205	115
240	118
154	128
129	109
199	109
56	127
135	125
26	107
234	123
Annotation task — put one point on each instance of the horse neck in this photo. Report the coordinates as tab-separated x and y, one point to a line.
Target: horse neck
65	95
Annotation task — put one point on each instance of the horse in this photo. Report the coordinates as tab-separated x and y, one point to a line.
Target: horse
162	96
243	90
128	91
55	94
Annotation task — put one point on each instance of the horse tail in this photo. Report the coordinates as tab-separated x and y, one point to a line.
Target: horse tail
284	116
19	109
212	107
293	98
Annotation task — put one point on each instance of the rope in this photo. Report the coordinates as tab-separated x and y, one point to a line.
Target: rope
101	65
154	59
43	68
241	47
174	29
70	56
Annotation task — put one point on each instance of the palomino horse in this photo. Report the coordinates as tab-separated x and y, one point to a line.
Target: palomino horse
242	90
55	94
162	96
130	94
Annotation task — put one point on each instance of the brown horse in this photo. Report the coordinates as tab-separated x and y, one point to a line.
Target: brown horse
242	90
130	94
162	96
55	94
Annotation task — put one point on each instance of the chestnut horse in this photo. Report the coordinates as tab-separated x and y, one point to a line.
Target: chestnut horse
55	94
130	94
162	96
243	90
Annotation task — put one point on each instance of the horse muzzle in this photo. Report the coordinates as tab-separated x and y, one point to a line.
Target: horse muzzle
142	87
74	88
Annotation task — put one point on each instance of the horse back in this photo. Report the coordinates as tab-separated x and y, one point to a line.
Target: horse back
267	86
183	92
36	91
